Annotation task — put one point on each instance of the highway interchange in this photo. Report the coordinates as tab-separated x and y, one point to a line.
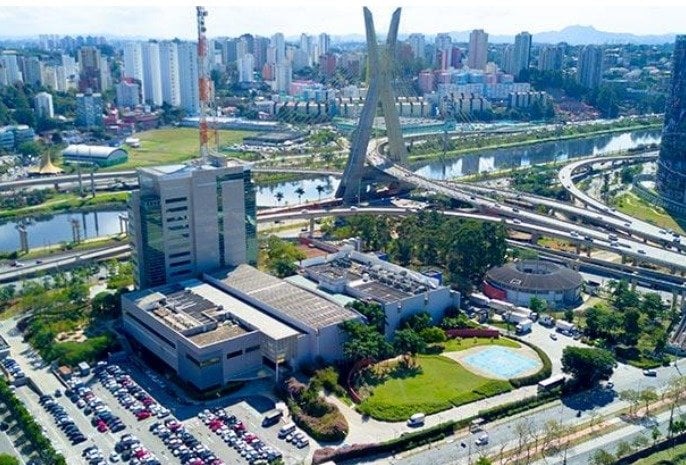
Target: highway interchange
631	242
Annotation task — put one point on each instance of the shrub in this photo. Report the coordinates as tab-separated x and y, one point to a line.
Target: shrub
319	418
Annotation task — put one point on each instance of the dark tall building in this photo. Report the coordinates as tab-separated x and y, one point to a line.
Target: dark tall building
671	165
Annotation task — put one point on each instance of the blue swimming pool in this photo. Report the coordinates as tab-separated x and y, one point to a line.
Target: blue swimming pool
500	362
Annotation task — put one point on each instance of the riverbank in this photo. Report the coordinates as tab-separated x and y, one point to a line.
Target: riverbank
55	249
67	203
553	138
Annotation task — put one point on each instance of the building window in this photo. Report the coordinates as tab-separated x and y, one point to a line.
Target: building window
179	254
176	200
203	363
234	354
252	349
178	264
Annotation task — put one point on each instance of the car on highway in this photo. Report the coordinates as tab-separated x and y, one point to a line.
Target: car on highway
649	372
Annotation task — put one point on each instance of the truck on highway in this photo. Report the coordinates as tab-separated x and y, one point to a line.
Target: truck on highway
524	327
565	327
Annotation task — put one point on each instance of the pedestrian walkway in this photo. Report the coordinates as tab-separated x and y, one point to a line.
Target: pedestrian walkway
366	430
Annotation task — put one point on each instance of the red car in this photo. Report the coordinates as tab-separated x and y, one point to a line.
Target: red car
239	426
143	414
102	426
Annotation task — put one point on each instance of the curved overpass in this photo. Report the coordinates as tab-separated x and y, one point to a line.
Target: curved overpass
556	229
534	222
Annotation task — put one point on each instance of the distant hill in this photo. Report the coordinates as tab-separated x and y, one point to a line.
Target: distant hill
573	35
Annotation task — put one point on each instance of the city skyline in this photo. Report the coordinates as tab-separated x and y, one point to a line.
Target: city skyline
429	17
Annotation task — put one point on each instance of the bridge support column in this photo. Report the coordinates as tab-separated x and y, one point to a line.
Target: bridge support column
578	248
311	226
623	259
534	238
588	251
57	187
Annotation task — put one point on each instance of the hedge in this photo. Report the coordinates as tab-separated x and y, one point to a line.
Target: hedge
542	374
518	406
29	426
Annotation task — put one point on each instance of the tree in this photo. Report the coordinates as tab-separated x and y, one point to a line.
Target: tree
279	197
418	322
633	397
483	460
432	335
6	459
538	305
648	396
655	434
373	312
587	365
29	149
601	457
300	191
364	342
408	341
320	190
106	304
282	255
632	326
569	315
623	448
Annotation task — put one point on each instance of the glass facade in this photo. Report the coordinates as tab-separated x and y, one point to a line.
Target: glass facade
671	165
152	272
250	219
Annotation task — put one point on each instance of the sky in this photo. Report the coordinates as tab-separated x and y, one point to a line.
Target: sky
176	18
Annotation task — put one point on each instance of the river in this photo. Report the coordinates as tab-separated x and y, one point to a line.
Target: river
54	229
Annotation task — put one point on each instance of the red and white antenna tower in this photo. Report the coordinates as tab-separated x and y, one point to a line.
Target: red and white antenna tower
204	83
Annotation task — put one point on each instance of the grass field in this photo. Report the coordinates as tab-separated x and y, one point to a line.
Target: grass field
64	202
454	345
674	456
436	385
633	205
171	145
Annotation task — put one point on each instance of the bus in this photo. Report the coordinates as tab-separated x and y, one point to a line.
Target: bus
551	383
272	417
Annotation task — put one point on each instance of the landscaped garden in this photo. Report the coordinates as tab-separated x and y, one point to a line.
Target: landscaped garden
428	384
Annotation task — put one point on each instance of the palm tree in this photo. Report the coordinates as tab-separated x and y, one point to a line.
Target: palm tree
279	197
320	189
300	191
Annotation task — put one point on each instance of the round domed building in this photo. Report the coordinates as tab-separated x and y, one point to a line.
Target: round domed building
517	282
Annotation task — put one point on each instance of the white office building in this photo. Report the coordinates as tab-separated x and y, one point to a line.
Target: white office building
169	73
184	221
283	76
279	43
43	104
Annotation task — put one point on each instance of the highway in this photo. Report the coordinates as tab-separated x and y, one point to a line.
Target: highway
536	223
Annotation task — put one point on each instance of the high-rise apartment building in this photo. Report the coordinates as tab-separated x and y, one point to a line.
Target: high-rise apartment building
133	63
12	73
551	57
417	43
188	77
169	73
246	65
32	71
478	49
43	104
671	164
324	43
93	72
521	53
590	66
283	76
89	109
152	77
128	93
279	43
228	47
188	219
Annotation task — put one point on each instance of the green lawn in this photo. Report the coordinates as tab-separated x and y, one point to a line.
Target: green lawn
171	145
673	456
633	205
454	345
68	202
437	385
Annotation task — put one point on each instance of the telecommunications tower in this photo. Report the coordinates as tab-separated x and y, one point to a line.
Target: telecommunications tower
204	84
